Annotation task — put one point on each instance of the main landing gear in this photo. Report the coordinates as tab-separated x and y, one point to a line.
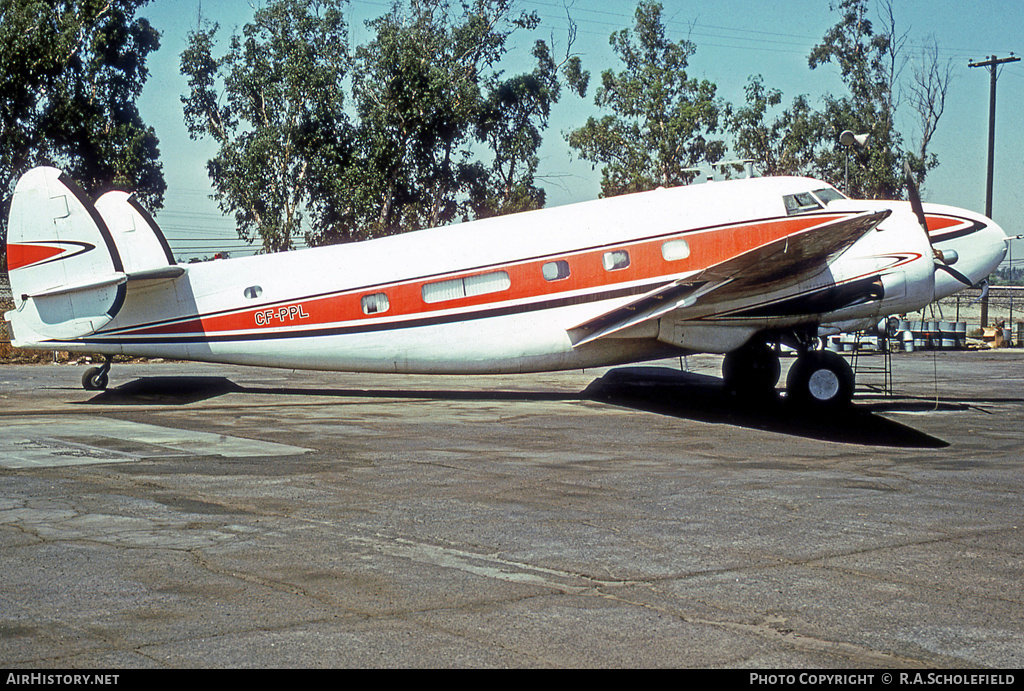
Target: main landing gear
95	378
819	379
752	370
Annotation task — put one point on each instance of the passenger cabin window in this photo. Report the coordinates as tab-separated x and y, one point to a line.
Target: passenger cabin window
616	260
555	271
455	288
375	304
801	203
674	250
253	292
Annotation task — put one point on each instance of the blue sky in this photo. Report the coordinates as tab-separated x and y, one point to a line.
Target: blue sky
735	39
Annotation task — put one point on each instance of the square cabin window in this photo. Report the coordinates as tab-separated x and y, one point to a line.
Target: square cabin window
616	260
555	271
454	288
375	303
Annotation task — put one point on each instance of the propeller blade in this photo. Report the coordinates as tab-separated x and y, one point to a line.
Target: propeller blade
915	198
955	274
915	204
984	293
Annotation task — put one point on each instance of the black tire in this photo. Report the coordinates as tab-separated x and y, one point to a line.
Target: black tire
752	369
820	379
94	379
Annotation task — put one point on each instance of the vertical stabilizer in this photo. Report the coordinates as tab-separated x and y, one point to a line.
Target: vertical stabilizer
139	241
67	277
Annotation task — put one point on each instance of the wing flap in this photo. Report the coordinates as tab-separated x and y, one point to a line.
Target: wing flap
772	266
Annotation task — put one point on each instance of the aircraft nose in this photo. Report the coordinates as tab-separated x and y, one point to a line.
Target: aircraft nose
995	244
970	255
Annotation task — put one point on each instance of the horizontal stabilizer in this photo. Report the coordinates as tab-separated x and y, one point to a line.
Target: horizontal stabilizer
166	273
83	287
772	266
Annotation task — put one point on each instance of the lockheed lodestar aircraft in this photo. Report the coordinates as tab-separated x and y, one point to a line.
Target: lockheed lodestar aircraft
732	267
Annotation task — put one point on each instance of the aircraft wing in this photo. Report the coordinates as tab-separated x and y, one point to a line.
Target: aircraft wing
771	266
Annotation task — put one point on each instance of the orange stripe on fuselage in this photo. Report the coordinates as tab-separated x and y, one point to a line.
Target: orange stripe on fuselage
707	247
935	223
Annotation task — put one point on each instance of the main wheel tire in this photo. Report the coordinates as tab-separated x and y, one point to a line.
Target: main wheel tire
821	379
94	379
751	369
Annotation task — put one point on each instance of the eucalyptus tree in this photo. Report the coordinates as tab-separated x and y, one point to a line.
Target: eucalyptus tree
867	50
419	126
71	72
429	91
274	104
869	64
779	145
661	122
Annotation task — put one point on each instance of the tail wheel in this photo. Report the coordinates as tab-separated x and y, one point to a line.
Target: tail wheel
94	379
821	378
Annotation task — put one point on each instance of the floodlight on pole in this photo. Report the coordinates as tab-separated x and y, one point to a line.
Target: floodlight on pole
851	141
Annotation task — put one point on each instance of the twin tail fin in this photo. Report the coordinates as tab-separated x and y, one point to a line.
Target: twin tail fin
70	260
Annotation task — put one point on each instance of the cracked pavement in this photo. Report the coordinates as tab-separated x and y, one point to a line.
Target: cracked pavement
206	516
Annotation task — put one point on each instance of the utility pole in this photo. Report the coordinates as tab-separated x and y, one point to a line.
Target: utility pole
991	64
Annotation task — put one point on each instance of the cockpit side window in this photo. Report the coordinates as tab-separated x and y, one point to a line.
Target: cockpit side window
827	194
801	203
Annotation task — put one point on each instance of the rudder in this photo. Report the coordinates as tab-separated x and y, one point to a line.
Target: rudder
138	238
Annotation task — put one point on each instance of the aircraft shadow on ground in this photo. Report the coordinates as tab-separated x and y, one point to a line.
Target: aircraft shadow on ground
706	399
658	390
185	390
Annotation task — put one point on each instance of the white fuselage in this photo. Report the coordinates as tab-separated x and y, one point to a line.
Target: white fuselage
500	295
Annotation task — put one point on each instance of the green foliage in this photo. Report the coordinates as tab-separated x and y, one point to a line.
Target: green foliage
802	140
784	146
661	122
510	121
867	61
867	64
425	91
70	74
282	106
427	88
1007	276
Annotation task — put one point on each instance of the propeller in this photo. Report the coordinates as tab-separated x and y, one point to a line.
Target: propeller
943	260
984	293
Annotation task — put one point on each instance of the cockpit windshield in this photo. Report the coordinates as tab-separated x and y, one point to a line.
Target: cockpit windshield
804	202
801	203
828	194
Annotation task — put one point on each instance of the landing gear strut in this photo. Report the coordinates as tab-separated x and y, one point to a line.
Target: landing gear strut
819	379
95	378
